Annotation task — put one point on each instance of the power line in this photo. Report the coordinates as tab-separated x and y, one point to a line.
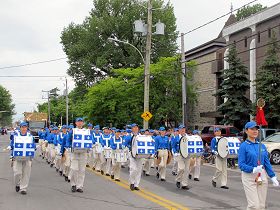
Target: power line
214	20
33	76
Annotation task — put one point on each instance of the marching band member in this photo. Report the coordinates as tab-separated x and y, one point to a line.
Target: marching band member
221	163
22	162
150	161
50	139
106	136
57	144
116	143
175	163
78	161
41	134
248	156
195	169
65	153
90	154
183	163
135	164
162	147
98	160
47	134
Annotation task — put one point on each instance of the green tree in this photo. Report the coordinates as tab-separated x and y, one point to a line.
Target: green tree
91	55
119	100
249	10
268	82
237	106
6	107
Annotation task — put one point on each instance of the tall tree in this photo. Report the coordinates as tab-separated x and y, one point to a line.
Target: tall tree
91	55
6	107
249	10
268	82
237	106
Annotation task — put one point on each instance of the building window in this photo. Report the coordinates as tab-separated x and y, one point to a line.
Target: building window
269	33
259	37
245	41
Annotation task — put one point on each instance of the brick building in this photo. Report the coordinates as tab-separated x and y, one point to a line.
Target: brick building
251	36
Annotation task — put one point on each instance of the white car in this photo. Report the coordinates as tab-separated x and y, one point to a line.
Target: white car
272	144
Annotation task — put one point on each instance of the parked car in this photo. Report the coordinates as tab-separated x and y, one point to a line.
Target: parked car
207	132
272	144
265	132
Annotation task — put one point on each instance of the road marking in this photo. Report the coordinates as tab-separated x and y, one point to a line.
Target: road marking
146	194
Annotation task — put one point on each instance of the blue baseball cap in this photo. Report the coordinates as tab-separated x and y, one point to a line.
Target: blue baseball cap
71	126
128	130
161	129
142	130
176	129
217	129
55	128
97	127
134	125
251	124
181	126
64	127
79	119
151	131
113	128
22	124
195	132
90	125
117	130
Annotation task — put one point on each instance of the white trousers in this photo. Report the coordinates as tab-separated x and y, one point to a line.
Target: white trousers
195	169
66	163
163	155
22	170
183	170
147	165
116	169
77	169
255	194
135	170
221	170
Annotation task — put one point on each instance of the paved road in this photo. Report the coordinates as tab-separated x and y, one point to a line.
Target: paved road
48	190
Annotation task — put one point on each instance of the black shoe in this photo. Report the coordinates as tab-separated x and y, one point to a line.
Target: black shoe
48	162
56	170
144	172
17	188
87	166
98	171
93	168
80	190
225	187
60	173
122	166
163	180
112	177
132	187
157	175
136	188
178	184
214	184
190	176
185	188
107	174
196	179
173	173
51	165
117	180
147	175
73	189
66	179
43	157
102	172
23	192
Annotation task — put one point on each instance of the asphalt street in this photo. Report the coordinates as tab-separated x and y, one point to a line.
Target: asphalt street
47	190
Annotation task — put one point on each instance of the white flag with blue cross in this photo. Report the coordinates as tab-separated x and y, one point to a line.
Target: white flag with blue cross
82	139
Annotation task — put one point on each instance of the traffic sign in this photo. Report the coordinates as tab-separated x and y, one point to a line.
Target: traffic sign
147	115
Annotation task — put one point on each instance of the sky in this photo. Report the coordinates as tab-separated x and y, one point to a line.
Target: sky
30	32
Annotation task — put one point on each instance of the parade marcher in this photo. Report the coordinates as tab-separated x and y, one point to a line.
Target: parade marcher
162	146
41	134
135	164
183	163
57	147
149	162
175	163
221	163
249	154
90	154
98	160
65	152
106	137
51	148
195	169
79	156
22	142
116	143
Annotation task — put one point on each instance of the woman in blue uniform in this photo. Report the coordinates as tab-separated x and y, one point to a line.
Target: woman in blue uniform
248	157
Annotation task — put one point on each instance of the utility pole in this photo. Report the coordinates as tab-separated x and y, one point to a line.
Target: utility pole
184	83
147	62
49	106
67	101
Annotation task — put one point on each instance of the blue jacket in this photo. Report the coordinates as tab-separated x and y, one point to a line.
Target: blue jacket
248	157
175	144
57	139
114	143
214	145
97	137
106	140
50	138
162	142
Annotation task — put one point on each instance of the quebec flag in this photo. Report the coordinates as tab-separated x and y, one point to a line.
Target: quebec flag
82	139
24	146
233	147
195	146
145	147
